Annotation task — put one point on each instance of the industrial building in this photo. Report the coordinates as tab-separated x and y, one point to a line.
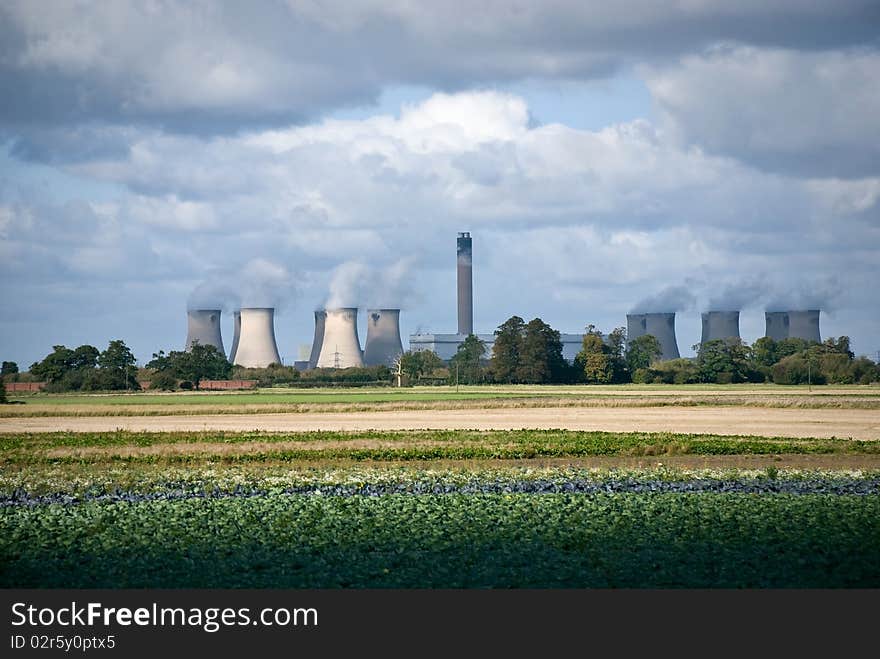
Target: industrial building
446	345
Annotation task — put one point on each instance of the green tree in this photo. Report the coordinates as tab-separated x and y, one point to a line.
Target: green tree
417	364
540	359
466	364
764	352
117	368
642	351
54	366
790	346
839	346
506	350
164	381
616	344
201	362
594	358
9	368
724	361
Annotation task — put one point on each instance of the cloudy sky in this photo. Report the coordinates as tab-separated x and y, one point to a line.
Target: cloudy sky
605	157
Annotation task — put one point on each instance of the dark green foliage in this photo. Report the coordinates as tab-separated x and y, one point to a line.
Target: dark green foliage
8	368
116	368
200	362
347	377
466	366
541	360
641	352
507	349
35	449
725	361
602	361
163	381
416	365
272	375
456	540
86	369
54	365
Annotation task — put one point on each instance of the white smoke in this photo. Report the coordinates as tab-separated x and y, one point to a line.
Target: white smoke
258	283
357	284
671	298
823	293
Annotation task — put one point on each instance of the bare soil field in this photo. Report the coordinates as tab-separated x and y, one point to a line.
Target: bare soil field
768	422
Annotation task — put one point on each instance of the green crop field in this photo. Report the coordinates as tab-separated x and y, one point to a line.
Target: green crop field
434	508
449	540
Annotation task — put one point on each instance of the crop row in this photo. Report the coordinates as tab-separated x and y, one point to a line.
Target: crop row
401	445
454	540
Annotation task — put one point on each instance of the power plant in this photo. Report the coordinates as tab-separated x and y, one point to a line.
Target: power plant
659	325
318	340
236	328
383	337
336	344
256	343
203	325
340	347
446	345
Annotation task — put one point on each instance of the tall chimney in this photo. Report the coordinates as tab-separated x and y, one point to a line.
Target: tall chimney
383	337
465	285
318	340
236	329
256	344
203	325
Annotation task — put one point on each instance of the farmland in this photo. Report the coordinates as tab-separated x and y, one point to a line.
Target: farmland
750	486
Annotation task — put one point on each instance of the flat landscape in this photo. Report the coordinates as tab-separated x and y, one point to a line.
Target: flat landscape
710	486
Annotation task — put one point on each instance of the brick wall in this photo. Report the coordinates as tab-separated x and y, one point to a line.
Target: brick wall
12	387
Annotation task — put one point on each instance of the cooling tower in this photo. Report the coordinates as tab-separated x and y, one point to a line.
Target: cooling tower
662	326
804	325
636	325
341	347
777	325
659	325
720	325
256	343
236	328
383	337
320	315
203	325
465	285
